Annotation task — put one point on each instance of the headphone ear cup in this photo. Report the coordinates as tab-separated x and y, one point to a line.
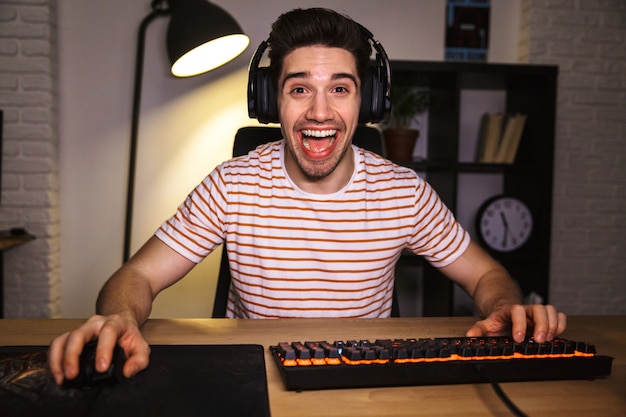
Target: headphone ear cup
374	105
378	84
261	93
267	108
365	113
271	109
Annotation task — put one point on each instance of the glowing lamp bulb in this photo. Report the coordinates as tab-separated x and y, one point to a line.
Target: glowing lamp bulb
210	55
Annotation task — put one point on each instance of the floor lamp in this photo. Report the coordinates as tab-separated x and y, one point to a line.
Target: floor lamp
200	37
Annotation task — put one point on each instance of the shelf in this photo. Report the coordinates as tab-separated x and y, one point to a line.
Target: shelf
8	241
455	166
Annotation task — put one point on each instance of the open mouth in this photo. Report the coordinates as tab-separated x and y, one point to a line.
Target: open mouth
318	142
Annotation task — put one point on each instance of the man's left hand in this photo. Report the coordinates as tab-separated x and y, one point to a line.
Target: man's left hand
544	321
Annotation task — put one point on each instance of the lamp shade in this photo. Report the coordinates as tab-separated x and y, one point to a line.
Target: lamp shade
201	36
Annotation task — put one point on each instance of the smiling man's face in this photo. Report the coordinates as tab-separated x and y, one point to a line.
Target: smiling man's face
319	99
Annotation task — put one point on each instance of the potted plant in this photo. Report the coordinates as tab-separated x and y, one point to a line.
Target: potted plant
399	132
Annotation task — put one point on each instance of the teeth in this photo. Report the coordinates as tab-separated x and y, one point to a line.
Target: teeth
319	133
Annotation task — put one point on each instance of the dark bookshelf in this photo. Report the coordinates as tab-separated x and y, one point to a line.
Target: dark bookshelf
529	89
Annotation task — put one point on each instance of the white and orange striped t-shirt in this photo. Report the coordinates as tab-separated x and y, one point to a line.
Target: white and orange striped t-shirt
296	254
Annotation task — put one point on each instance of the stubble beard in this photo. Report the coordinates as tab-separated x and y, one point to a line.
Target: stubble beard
317	170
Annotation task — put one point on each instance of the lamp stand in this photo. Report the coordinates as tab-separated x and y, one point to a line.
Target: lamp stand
157	10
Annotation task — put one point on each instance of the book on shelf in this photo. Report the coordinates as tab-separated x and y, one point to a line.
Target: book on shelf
491	127
500	137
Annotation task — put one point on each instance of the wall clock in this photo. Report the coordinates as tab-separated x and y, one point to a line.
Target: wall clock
504	223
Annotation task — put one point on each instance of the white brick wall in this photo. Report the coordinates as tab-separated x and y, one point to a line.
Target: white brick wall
28	98
587	40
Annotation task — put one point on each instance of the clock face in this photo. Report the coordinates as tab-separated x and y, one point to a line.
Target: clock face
504	223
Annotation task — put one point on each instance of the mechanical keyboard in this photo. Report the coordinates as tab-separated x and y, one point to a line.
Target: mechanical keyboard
454	360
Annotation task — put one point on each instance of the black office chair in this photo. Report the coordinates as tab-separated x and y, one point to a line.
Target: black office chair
246	140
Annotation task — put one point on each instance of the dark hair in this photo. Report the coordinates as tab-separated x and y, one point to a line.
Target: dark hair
317	26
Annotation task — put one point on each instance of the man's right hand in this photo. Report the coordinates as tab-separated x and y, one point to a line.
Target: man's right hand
65	350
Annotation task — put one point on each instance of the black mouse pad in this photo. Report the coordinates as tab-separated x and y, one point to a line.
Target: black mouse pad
190	381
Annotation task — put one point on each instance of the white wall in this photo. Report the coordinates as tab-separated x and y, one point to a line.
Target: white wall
187	125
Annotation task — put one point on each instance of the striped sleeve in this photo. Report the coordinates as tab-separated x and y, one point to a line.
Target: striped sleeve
197	226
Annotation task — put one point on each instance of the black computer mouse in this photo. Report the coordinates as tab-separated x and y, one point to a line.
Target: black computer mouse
88	377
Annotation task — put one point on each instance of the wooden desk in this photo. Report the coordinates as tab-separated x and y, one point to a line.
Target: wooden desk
604	397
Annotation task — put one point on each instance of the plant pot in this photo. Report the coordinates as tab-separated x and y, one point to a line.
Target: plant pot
399	143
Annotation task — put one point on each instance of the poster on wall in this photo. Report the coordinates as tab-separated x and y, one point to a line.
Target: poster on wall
467	30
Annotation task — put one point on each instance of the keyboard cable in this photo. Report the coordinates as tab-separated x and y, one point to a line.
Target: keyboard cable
500	392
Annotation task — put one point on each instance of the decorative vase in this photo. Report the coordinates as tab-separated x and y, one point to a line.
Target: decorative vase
399	143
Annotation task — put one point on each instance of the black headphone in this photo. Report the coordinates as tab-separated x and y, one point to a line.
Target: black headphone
375	95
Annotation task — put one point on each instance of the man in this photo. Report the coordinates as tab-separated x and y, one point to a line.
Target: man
314	225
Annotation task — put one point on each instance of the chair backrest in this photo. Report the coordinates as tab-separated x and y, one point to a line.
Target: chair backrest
246	140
